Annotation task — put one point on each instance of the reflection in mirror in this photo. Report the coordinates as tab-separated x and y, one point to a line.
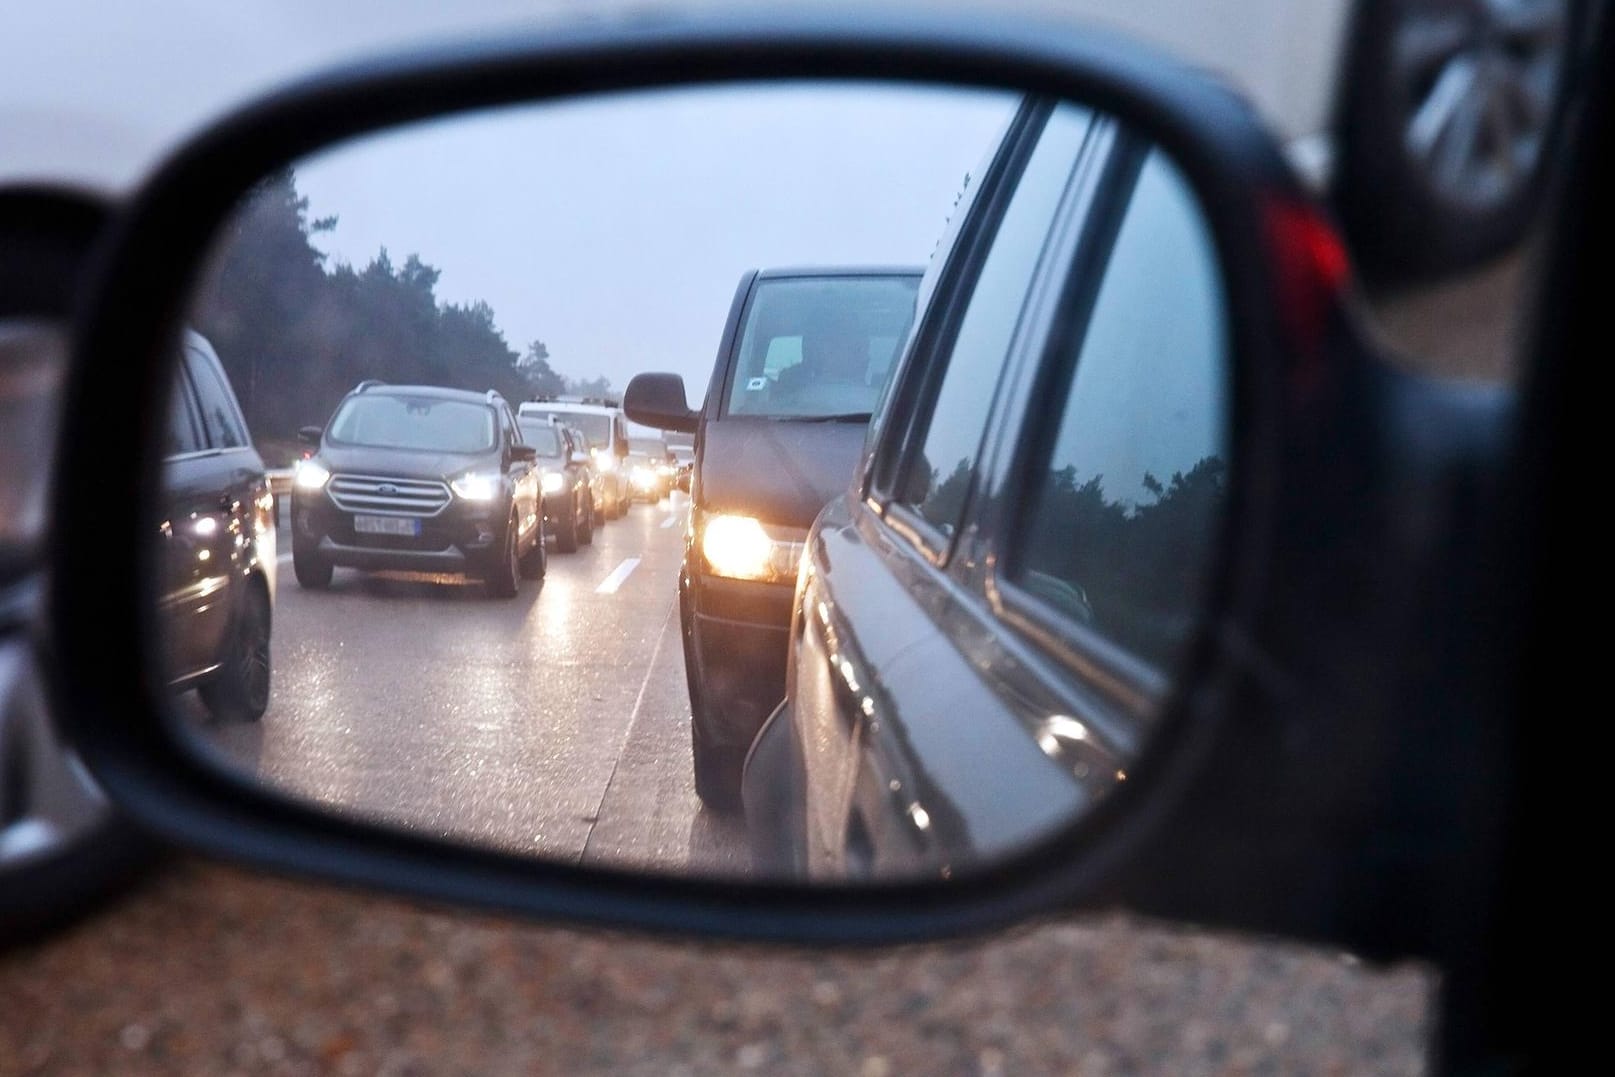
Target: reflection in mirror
422	568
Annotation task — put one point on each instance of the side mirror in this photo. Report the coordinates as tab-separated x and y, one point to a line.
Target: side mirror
523	454
659	400
310	435
580	458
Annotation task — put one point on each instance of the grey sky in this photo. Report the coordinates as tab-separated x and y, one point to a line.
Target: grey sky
615	229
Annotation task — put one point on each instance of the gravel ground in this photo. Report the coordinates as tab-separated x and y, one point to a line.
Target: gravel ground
211	970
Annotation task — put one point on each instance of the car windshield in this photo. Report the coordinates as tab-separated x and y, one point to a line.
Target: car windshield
543	437
596	425
654	448
816	348
421	423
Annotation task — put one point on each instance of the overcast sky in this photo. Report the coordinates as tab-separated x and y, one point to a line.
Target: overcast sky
615	229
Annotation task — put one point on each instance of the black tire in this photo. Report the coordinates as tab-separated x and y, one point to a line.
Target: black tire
313	571
1412	215
586	525
566	527
504	572
536	561
599	510
239	691
717	769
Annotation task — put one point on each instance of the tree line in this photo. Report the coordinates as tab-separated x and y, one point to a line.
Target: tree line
295	333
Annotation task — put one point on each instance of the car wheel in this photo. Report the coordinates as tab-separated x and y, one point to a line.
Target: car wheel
504	575
620	505
599	509
240	689
63	849
313	571
566	528
586	525
1448	115
717	770
535	562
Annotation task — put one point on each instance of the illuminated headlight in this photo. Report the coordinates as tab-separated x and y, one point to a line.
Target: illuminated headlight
740	548
604	460
642	476
552	482
664	470
476	486
310	475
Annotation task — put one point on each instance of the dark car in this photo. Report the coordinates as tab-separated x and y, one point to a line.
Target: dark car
987	610
419	478
804	357
564	480
218	543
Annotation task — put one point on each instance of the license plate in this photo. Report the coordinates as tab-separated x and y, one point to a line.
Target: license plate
387	525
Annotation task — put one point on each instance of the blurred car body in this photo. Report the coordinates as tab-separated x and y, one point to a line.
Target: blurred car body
218	541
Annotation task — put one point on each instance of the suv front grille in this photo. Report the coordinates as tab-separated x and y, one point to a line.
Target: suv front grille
379	494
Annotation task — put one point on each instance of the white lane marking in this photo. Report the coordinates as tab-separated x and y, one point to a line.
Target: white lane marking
609	585
672	518
281	559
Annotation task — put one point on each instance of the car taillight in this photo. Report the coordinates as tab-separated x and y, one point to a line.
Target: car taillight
1311	269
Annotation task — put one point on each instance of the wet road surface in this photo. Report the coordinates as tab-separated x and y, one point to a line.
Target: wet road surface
555	723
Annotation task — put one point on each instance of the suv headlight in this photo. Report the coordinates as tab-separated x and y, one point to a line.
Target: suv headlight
310	475
741	548
604	460
477	485
552	482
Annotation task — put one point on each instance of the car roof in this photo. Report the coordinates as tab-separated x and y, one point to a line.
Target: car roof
841	271
564	405
467	395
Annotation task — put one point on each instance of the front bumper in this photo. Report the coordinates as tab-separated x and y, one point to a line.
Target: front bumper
463	537
737	632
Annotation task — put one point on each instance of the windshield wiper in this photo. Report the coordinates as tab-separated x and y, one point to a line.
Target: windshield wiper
844	417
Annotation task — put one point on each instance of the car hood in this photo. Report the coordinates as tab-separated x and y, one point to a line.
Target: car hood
780	471
364	460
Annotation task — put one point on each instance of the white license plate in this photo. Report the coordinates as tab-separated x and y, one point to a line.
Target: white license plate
387	525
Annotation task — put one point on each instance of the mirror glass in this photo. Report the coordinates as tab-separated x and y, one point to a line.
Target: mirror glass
419	565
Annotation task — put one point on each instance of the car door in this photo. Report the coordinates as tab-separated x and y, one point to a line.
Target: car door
878	591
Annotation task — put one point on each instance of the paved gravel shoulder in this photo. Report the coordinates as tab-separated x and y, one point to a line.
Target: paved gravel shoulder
211	970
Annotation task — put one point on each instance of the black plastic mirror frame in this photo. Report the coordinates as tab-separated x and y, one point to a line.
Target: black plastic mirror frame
120	378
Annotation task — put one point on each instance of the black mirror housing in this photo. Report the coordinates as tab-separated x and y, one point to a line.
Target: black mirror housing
525	454
1117	853
310	435
659	400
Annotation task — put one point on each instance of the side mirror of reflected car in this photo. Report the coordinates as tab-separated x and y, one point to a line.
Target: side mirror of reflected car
659	400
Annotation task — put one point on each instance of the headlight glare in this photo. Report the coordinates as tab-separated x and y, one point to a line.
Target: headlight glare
310	475
476	486
739	547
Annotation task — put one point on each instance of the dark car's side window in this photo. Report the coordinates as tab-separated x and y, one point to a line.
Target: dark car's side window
183	436
935	480
1126	501
225	429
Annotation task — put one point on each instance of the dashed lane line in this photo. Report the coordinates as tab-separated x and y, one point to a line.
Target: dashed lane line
609	585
